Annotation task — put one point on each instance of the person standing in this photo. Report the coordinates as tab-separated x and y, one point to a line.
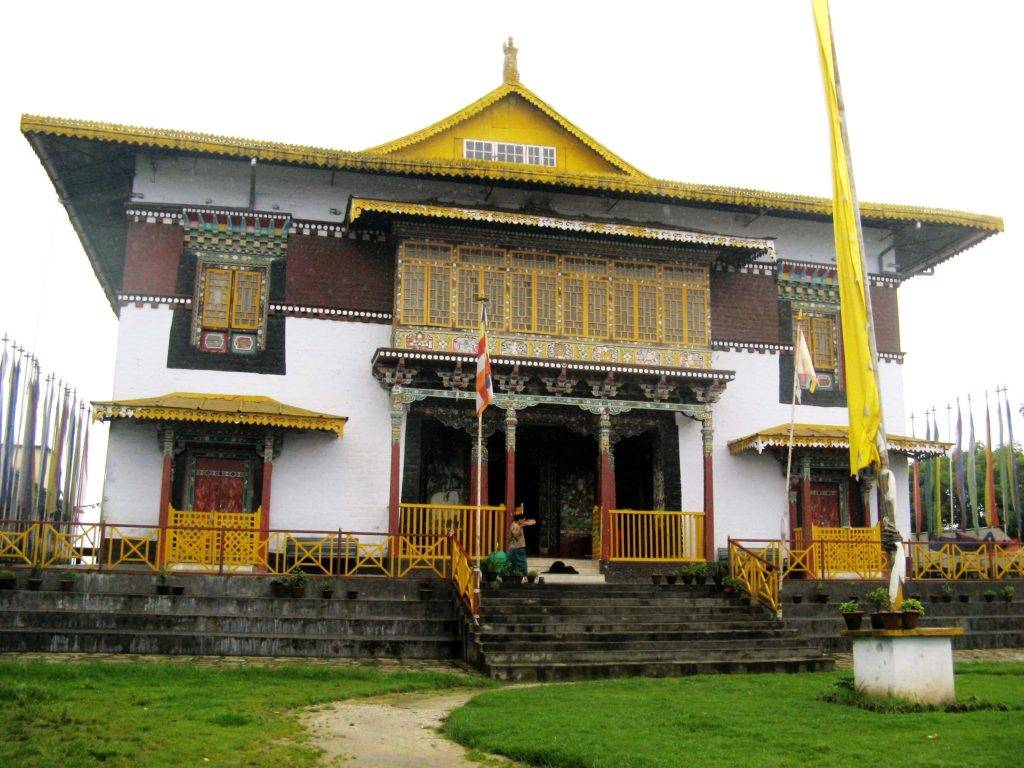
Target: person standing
517	545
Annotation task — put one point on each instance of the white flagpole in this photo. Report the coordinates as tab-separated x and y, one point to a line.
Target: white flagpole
784	522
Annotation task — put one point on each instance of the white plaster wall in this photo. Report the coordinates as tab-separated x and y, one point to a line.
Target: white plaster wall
750	494
312	194
131	478
319	482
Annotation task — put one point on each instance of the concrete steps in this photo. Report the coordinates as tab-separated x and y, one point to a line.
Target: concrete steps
233	616
565	632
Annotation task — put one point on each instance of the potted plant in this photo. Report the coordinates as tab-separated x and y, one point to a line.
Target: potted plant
297	583
911	611
1007	593
852	614
351	594
946	591
731	586
656	578
797	598
964	597
35	579
686	574
279	587
820	592
67	581
326	589
8	580
989	595
671	577
700	573
532	576
882	617
162	587
718	570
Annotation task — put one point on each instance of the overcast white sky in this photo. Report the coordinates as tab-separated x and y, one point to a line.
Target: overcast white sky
724	92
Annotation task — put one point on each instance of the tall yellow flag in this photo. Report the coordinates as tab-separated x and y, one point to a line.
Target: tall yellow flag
862	395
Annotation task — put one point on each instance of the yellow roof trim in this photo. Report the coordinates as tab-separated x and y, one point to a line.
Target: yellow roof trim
267	151
827	436
219	409
359	206
493	97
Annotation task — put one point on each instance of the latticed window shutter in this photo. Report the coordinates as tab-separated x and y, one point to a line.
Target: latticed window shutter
245	305
216	297
823	336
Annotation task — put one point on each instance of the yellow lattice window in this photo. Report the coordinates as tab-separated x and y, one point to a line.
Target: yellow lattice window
426	285
245	301
216	297
533	292
481	266
820	335
413	292
696	317
636	302
584	298
232	298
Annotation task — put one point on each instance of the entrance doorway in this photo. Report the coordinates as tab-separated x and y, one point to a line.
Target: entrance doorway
556	484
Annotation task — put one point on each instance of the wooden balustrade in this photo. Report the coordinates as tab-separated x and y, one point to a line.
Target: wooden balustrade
458	520
655	536
758	574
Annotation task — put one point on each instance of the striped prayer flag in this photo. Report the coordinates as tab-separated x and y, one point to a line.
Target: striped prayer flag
484	387
803	365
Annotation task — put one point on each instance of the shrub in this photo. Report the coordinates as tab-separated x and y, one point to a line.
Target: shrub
298	579
946	589
912	605
1007	591
849	606
879	598
69	576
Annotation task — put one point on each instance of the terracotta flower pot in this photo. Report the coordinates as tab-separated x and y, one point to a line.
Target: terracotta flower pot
671	578
33	584
908	619
351	595
965	598
891	620
947	598
1007	598
701	579
326	593
853	619
8	582
989	598
656	578
797	599
876	621
298	590
279	590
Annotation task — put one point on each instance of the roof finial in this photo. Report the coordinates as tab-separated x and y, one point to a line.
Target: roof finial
511	71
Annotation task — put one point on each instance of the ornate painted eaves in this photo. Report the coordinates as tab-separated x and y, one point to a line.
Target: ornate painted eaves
828	436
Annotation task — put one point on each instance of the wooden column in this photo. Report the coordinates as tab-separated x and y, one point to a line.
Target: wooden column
707	432
398	409
805	494
607	482
510	469
268	470
167	449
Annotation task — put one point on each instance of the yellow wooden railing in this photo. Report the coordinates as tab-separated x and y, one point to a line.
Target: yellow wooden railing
464	577
230	539
757	573
966	560
456	520
654	536
829	552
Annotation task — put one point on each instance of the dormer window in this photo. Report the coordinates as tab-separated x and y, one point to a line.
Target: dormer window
507	152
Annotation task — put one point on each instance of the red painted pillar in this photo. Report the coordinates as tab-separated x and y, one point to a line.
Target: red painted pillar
709	486
395	497
510	470
805	494
167	447
607	481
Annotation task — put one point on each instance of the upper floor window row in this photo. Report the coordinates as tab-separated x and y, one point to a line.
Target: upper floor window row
547	293
506	152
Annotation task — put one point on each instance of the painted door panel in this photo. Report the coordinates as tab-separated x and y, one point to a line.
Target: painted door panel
219	485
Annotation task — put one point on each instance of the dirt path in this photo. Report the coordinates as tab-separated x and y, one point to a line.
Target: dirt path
395	731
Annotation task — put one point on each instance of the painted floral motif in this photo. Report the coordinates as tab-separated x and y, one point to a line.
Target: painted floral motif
510	347
561	350
464	344
606	354
648	357
419	340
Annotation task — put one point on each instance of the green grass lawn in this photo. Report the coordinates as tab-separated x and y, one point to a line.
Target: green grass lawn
741	721
176	714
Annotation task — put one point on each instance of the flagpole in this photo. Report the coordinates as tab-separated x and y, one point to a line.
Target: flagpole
949	434
783	522
886	480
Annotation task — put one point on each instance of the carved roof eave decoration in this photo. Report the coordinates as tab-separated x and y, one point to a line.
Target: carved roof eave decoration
830	437
754	247
370	162
537	381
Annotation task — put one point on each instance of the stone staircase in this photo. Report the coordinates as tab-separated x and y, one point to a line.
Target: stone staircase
581	631
366	618
986	625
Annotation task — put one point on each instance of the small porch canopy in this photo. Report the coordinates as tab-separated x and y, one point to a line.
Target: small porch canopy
255	410
829	436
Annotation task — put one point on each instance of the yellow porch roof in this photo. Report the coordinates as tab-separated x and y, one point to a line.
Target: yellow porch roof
830	436
219	409
360	206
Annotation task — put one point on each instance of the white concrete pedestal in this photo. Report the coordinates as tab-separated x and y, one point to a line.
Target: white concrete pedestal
914	664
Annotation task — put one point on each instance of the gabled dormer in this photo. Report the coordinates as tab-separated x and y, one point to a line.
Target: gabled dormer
510	126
